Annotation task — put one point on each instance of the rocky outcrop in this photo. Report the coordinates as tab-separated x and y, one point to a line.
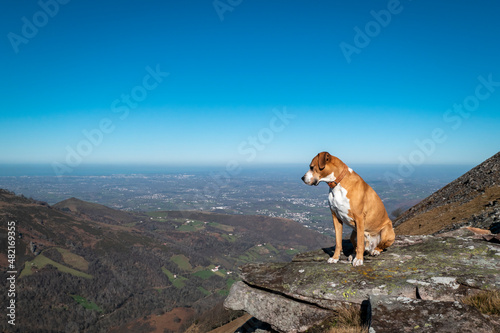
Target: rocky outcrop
462	190
401	314
418	282
285	313
470	200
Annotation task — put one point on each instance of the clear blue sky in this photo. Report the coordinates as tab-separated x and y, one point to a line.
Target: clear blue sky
101	67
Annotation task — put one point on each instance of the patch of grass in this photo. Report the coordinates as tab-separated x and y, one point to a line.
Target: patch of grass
257	253
440	217
246	257
86	304
182	261
223	292
206	274
487	302
73	260
292	252
230	283
229	238
221	273
222	227
346	320
192	226
41	261
204	291
349	316
178	281
197	269
271	248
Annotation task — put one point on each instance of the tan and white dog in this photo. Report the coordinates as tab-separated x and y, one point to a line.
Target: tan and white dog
354	202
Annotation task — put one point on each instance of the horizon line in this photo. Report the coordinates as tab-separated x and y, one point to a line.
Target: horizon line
215	164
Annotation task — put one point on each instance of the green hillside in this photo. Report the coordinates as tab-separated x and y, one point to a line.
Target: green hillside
80	270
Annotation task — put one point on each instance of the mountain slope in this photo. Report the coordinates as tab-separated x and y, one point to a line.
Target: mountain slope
96	211
270	229
79	272
472	199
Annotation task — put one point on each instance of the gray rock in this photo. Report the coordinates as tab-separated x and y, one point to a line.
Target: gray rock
282	313
400	314
296	295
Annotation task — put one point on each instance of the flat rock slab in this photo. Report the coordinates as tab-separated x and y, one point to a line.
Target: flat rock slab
426	267
426	270
282	313
401	315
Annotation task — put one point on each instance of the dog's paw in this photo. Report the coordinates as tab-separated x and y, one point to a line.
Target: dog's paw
375	253
332	261
357	262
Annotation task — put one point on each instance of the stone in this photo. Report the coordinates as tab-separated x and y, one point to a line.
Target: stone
284	314
400	314
295	295
414	264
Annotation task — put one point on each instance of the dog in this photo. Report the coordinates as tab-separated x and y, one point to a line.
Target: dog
354	202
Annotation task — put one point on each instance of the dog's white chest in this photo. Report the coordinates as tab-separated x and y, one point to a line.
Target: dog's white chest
339	203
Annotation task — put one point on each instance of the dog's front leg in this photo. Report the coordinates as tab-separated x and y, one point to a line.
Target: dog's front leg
360	241
338	239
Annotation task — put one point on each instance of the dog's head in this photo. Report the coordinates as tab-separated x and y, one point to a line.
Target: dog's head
320	169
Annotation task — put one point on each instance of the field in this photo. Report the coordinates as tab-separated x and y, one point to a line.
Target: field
182	261
41	261
222	227
191	226
73	260
257	252
178	281
145	269
86	304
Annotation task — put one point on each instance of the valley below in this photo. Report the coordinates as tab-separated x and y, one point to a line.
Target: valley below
138	252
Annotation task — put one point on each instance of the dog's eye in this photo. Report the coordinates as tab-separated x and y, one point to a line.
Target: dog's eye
311	168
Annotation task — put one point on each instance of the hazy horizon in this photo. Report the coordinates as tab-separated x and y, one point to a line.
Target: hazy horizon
41	169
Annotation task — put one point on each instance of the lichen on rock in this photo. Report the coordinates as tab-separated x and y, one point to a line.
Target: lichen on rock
418	268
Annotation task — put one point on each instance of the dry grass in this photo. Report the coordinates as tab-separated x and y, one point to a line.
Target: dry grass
74	260
440	217
41	261
347	320
488	302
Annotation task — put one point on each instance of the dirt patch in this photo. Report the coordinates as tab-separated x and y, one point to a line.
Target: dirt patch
172	321
232	326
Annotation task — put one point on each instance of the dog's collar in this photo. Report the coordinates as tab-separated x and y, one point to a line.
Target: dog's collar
339	178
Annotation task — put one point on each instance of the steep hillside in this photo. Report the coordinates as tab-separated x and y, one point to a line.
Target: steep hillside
96	211
472	199
80	272
270	229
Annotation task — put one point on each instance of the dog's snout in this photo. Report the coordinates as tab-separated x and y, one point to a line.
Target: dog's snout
307	178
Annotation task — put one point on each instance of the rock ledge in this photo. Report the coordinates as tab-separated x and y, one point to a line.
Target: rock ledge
417	283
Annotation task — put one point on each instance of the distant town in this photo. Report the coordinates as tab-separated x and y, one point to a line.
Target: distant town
269	192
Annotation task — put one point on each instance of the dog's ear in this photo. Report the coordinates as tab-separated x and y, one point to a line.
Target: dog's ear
323	158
